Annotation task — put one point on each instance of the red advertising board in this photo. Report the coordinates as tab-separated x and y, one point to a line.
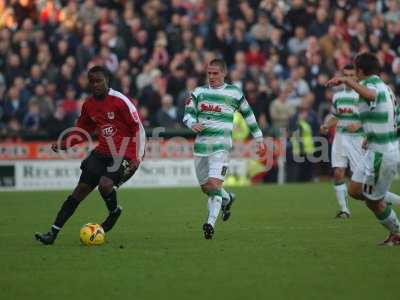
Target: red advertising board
171	148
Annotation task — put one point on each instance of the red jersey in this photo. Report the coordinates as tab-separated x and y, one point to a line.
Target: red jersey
117	123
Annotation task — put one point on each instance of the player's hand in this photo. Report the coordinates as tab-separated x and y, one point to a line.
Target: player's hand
197	127
336	81
261	149
353	127
323	129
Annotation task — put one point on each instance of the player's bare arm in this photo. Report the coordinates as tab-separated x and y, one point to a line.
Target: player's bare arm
363	91
353	127
330	121
261	148
197	127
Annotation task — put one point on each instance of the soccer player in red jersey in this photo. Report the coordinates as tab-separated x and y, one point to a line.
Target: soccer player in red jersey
115	159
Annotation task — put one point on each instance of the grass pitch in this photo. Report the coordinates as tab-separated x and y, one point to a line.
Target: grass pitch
281	243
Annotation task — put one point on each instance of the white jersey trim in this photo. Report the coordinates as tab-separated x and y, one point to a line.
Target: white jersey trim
140	146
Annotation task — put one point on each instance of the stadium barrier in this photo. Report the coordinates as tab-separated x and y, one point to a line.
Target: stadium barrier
168	163
64	174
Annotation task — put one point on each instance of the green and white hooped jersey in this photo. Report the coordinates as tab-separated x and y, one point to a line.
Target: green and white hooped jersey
214	109
345	109
398	121
379	116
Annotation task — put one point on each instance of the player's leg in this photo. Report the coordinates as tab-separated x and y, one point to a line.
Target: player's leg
213	189
341	192
383	212
380	173
109	195
108	192
228	198
388	218
339	165
355	152
66	211
91	168
392	199
201	164
217	169
355	190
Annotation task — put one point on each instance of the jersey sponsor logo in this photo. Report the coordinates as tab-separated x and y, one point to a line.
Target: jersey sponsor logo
110	115
210	107
135	116
346	110
108	130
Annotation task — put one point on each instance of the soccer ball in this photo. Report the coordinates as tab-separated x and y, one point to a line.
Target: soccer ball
92	234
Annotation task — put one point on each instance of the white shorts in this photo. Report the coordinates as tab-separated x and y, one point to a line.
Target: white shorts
212	166
377	174
347	149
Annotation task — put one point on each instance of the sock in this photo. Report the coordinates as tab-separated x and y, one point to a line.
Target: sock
392	198
214	206
341	196
225	197
66	211
111	201
388	219
55	229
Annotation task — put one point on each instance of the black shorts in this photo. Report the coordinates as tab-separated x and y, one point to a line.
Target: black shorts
97	165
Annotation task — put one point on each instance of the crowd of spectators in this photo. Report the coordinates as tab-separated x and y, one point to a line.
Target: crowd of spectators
279	52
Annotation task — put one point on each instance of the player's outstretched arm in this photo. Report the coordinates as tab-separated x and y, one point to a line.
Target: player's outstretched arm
365	92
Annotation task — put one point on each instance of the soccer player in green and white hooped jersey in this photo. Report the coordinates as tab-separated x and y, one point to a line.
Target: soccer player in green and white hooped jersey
347	144
398	119
209	113
377	113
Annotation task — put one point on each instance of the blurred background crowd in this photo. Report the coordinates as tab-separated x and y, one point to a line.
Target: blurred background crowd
279	52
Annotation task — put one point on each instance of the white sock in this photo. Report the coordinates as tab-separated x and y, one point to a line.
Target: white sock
392	198
341	196
56	227
225	197
214	206
389	219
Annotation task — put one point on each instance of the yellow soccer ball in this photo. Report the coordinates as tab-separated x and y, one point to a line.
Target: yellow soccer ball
92	234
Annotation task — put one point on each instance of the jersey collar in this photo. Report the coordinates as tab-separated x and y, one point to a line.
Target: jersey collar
218	88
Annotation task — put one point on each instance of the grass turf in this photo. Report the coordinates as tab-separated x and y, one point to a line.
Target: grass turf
281	243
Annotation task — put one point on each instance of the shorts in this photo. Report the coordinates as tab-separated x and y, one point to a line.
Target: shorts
347	149
377	174
212	166
97	165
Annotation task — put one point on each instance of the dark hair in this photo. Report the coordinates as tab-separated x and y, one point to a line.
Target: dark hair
100	69
349	67
368	63
219	62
